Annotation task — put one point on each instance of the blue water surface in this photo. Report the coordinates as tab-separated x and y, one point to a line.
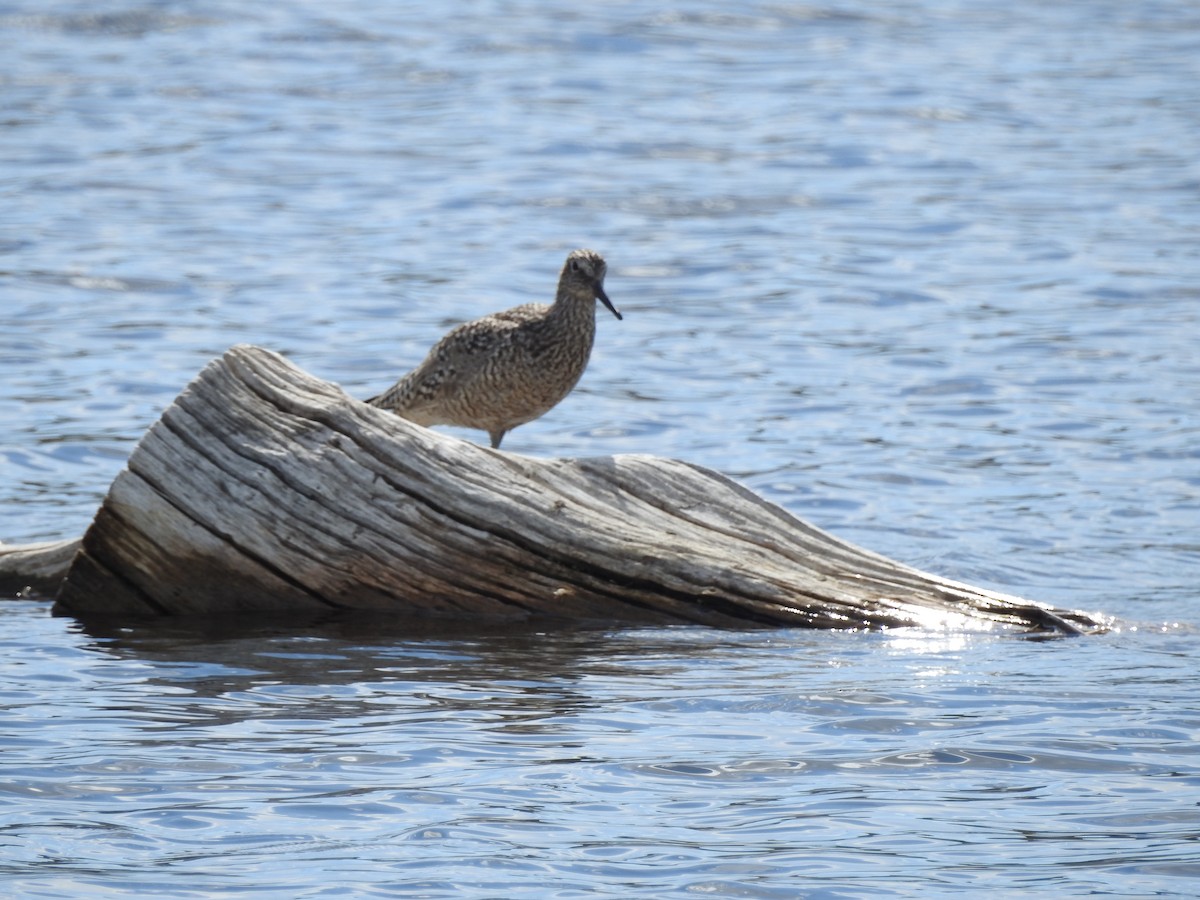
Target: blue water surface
925	273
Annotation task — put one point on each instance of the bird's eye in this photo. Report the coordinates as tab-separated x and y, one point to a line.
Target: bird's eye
574	265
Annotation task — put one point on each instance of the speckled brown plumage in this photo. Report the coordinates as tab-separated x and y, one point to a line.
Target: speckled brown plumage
511	367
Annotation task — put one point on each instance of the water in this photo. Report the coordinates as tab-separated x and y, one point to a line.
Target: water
924	273
306	763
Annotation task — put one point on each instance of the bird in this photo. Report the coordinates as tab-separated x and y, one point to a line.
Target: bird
510	367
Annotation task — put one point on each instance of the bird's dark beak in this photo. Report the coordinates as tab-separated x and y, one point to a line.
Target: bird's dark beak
603	298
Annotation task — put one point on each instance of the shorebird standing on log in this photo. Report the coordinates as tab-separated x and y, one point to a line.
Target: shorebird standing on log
511	367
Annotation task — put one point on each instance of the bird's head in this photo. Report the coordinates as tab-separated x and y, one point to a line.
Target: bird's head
584	274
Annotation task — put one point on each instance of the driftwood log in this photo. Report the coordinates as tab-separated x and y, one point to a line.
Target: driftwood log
265	490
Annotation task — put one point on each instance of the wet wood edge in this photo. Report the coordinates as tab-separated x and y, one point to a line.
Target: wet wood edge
35	570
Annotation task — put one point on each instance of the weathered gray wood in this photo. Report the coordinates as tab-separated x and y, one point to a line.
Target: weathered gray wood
263	489
35	569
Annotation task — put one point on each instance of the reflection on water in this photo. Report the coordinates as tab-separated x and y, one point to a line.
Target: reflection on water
525	763
924	274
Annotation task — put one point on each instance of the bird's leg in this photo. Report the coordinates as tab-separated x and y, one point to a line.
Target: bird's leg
496	437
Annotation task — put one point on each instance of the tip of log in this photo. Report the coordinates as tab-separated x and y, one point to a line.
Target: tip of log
35	570
265	490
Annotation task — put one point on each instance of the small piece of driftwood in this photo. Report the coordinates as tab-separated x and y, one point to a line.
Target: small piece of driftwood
33	570
265	490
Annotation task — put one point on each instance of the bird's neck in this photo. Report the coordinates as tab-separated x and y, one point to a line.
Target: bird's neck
573	305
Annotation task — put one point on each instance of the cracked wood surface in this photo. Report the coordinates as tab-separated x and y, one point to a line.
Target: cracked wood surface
263	489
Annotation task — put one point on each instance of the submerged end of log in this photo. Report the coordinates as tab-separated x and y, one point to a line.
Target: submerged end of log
265	490
35	570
